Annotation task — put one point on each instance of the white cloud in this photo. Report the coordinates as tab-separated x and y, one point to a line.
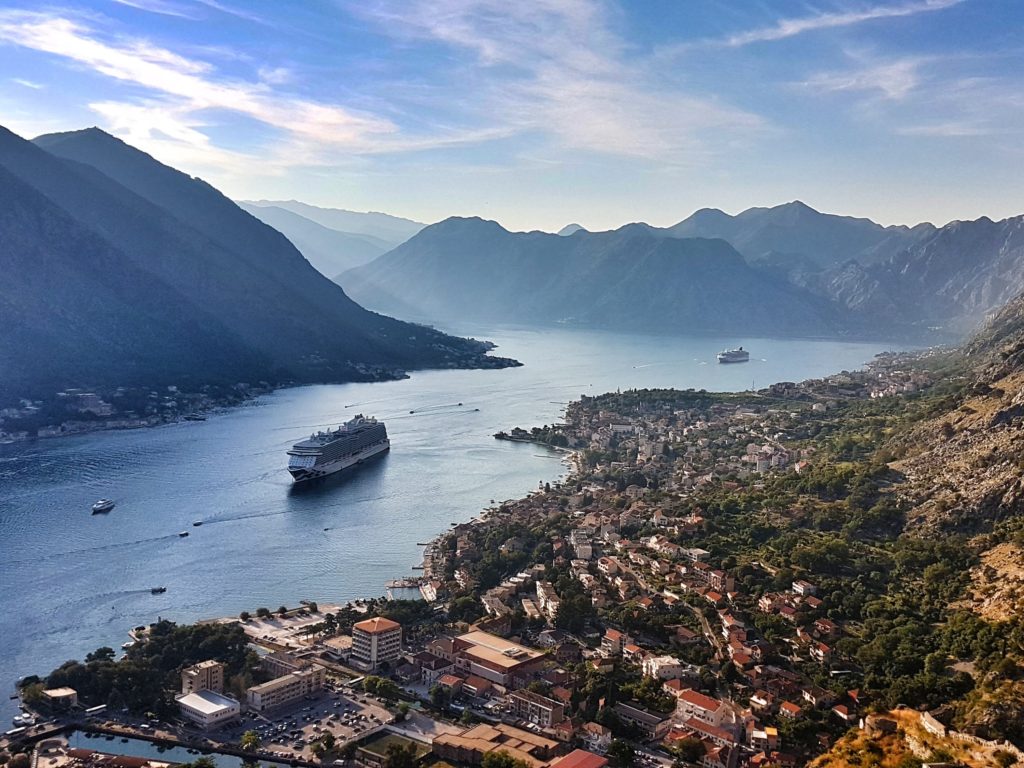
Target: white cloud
28	83
785	28
558	68
893	79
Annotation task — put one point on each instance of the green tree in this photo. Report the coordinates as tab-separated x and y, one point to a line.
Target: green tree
403	709
400	756
282	611
250	741
621	754
440	697
245	616
689	749
263	613
502	759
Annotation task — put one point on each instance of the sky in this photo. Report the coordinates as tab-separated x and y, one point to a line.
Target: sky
538	113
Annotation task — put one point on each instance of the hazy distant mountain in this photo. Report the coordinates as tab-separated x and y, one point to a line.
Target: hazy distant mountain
393	230
471	269
570	229
116	267
329	250
797	231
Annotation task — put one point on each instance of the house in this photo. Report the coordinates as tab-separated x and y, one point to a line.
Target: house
804	588
789	709
765	739
596	737
762	701
664	667
696	705
651	724
821	652
613	642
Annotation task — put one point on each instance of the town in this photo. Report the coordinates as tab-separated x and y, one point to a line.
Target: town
617	617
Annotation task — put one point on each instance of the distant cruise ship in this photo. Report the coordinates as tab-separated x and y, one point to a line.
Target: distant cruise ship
324	453
738	355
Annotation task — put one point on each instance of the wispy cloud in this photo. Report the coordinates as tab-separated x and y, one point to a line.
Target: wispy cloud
791	27
557	68
893	79
183	92
28	83
161	7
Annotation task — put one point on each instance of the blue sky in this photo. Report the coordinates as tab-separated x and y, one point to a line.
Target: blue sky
540	113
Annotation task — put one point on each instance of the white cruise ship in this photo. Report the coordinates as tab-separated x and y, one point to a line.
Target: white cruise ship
738	355
324	453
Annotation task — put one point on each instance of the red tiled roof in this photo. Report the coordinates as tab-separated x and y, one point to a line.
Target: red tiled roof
580	758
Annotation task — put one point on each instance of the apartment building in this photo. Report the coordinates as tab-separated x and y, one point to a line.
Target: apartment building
286	689
374	642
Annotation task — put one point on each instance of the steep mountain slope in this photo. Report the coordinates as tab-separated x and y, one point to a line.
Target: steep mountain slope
331	252
631	278
221	262
963	466
955	277
796	229
69	308
393	230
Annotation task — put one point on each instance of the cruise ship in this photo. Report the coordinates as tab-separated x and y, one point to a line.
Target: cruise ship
738	355
324	453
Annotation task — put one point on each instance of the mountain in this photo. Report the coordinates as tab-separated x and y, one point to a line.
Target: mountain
392	230
117	267
628	279
955	277
328	250
570	229
797	230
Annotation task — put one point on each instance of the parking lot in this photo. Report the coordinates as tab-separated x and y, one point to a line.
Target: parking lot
290	731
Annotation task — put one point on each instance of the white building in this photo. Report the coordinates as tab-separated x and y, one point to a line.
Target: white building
375	642
208	709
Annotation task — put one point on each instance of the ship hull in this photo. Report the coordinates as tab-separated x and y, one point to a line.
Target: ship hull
724	361
317	471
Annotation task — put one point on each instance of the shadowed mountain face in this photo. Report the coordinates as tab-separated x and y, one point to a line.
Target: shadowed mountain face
175	267
630	279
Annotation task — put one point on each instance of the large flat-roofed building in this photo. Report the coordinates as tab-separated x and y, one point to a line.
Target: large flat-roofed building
471	746
204	676
374	642
536	709
285	689
495	659
281	663
208	709
61	698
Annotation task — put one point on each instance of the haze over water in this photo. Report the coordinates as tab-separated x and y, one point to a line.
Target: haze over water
72	581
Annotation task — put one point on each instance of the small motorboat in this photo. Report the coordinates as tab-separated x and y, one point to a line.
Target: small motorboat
197	523
183	534
158	590
102	506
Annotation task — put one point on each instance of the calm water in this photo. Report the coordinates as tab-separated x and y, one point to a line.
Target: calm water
141	748
70	581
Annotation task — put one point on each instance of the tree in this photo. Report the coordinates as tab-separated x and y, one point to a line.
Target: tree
282	611
400	756
250	741
263	613
440	697
403	709
502	759
313	607
621	754
20	760
245	616
689	749
101	654
328	740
